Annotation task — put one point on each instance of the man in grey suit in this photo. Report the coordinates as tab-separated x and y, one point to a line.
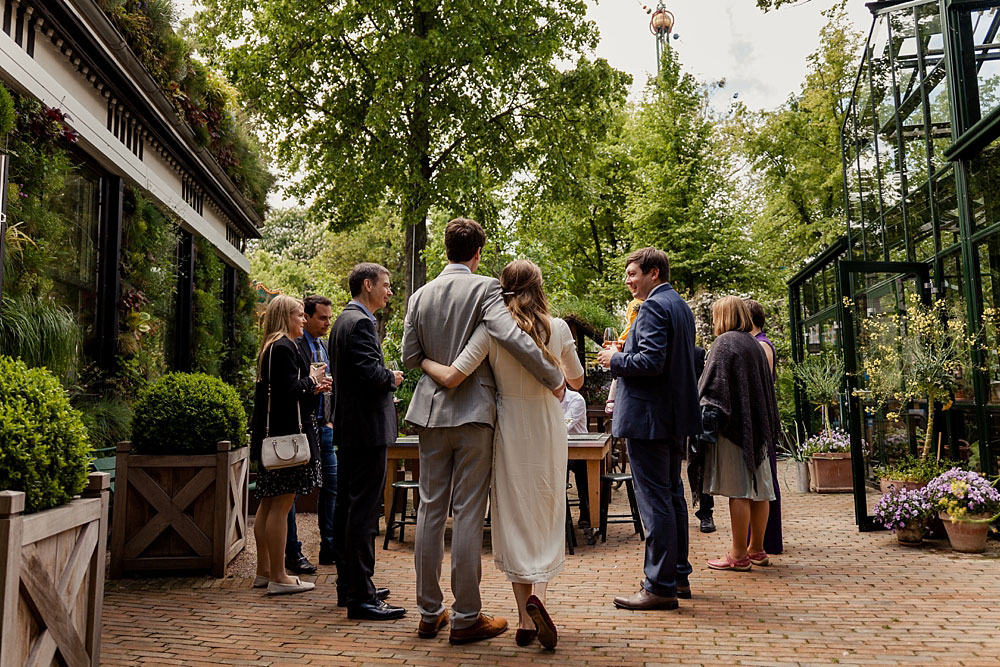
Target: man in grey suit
456	429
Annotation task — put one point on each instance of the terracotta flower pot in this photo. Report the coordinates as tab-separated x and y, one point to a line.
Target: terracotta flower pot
831	473
965	536
884	485
911	535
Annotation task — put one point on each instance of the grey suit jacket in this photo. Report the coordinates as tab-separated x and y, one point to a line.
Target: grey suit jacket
440	319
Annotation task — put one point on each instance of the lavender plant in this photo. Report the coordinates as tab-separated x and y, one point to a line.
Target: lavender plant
963	493
901	508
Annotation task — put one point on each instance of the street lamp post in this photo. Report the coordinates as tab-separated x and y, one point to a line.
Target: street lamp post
660	25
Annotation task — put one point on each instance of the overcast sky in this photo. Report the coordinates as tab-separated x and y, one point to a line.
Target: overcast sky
761	56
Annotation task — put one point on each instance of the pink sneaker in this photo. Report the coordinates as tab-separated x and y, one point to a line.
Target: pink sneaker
759	558
728	563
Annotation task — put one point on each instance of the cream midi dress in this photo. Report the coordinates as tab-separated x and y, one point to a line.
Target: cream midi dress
528	495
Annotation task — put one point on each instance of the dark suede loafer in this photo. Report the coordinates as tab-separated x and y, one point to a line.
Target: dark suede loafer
375	610
300	565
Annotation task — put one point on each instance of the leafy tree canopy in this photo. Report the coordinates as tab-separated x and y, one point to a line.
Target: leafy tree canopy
412	104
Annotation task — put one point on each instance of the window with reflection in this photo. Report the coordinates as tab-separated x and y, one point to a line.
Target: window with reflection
986	32
988	251
984	187
74	273
920	223
945	196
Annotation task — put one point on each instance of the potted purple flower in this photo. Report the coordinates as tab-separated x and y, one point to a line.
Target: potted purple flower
967	503
830	461
904	512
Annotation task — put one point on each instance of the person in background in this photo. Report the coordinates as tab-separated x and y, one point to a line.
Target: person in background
314	345
575	411
656	408
706	503
285	401
364	425
773	543
740	422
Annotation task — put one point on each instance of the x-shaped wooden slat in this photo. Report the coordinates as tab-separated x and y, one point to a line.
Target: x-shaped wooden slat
237	487
45	599
170	512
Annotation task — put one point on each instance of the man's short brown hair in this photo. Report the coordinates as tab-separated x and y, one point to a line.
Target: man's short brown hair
362	272
462	238
649	259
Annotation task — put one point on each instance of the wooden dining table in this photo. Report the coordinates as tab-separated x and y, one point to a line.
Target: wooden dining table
590	447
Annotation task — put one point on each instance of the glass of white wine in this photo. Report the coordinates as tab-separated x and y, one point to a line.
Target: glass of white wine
610	337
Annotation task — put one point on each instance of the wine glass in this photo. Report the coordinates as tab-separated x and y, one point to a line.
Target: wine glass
394	365
610	337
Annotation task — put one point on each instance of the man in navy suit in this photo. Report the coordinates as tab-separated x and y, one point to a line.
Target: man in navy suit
656	408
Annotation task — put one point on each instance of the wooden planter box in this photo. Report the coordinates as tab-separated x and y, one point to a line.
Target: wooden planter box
52	578
183	512
831	473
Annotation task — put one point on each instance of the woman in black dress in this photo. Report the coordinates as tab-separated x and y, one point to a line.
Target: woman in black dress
282	366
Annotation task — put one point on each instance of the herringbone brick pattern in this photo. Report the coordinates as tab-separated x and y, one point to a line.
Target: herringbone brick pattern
835	596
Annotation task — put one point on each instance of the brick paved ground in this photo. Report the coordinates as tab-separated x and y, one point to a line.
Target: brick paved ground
835	596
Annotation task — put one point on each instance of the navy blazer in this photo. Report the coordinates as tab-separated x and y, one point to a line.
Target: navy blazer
657	391
363	411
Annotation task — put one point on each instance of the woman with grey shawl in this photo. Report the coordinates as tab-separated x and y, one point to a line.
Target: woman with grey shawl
740	410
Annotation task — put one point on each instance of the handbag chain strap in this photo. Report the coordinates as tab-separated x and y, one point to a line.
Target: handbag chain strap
298	407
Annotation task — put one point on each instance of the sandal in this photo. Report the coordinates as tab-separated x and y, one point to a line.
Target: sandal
760	558
729	563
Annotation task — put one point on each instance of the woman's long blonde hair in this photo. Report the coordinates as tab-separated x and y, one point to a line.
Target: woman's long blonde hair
521	281
730	313
277	318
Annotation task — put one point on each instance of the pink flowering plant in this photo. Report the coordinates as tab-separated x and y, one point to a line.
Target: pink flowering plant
963	494
901	508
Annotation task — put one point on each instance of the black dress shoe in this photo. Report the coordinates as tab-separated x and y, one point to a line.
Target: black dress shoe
326	558
380	593
300	565
707	525
375	610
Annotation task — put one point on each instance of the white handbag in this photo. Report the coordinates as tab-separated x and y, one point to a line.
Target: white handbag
283	451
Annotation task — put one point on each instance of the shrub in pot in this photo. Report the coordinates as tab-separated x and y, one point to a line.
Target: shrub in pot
45	450
186	469
187	413
52	543
967	503
904	512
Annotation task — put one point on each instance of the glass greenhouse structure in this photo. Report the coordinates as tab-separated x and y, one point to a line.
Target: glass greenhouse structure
921	159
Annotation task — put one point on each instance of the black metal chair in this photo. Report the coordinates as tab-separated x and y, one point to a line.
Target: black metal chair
399	490
633	517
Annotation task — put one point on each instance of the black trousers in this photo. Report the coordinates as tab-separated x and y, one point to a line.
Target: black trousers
706	505
361	480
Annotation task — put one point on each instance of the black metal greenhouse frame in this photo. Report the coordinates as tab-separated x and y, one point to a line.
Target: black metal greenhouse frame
921	160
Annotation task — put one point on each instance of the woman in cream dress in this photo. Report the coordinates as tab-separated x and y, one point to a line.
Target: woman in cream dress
528	495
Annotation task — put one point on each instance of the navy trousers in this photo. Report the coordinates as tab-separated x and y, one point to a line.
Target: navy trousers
327	501
656	471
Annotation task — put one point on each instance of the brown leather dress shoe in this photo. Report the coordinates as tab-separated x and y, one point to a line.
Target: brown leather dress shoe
485	627
645	600
429	630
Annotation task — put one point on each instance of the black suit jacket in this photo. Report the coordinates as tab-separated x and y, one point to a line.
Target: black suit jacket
657	392
303	345
363	413
290	387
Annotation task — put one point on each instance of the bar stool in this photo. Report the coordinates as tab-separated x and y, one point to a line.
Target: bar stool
399	490
570	535
606	481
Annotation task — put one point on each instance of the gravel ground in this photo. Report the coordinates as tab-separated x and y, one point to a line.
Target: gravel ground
245	564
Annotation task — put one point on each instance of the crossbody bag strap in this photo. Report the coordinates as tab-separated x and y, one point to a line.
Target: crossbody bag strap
298	406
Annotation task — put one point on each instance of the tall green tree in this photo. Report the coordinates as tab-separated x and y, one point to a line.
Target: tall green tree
795	153
413	104
684	199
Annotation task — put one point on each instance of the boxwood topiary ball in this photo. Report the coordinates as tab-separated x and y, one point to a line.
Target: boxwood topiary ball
44	450
187	413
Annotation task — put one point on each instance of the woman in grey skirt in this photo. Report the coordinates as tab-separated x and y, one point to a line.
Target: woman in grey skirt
740	409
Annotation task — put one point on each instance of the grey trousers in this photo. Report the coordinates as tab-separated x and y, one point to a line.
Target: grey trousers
455	464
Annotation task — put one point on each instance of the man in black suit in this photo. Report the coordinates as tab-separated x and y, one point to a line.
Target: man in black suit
364	425
312	343
656	408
